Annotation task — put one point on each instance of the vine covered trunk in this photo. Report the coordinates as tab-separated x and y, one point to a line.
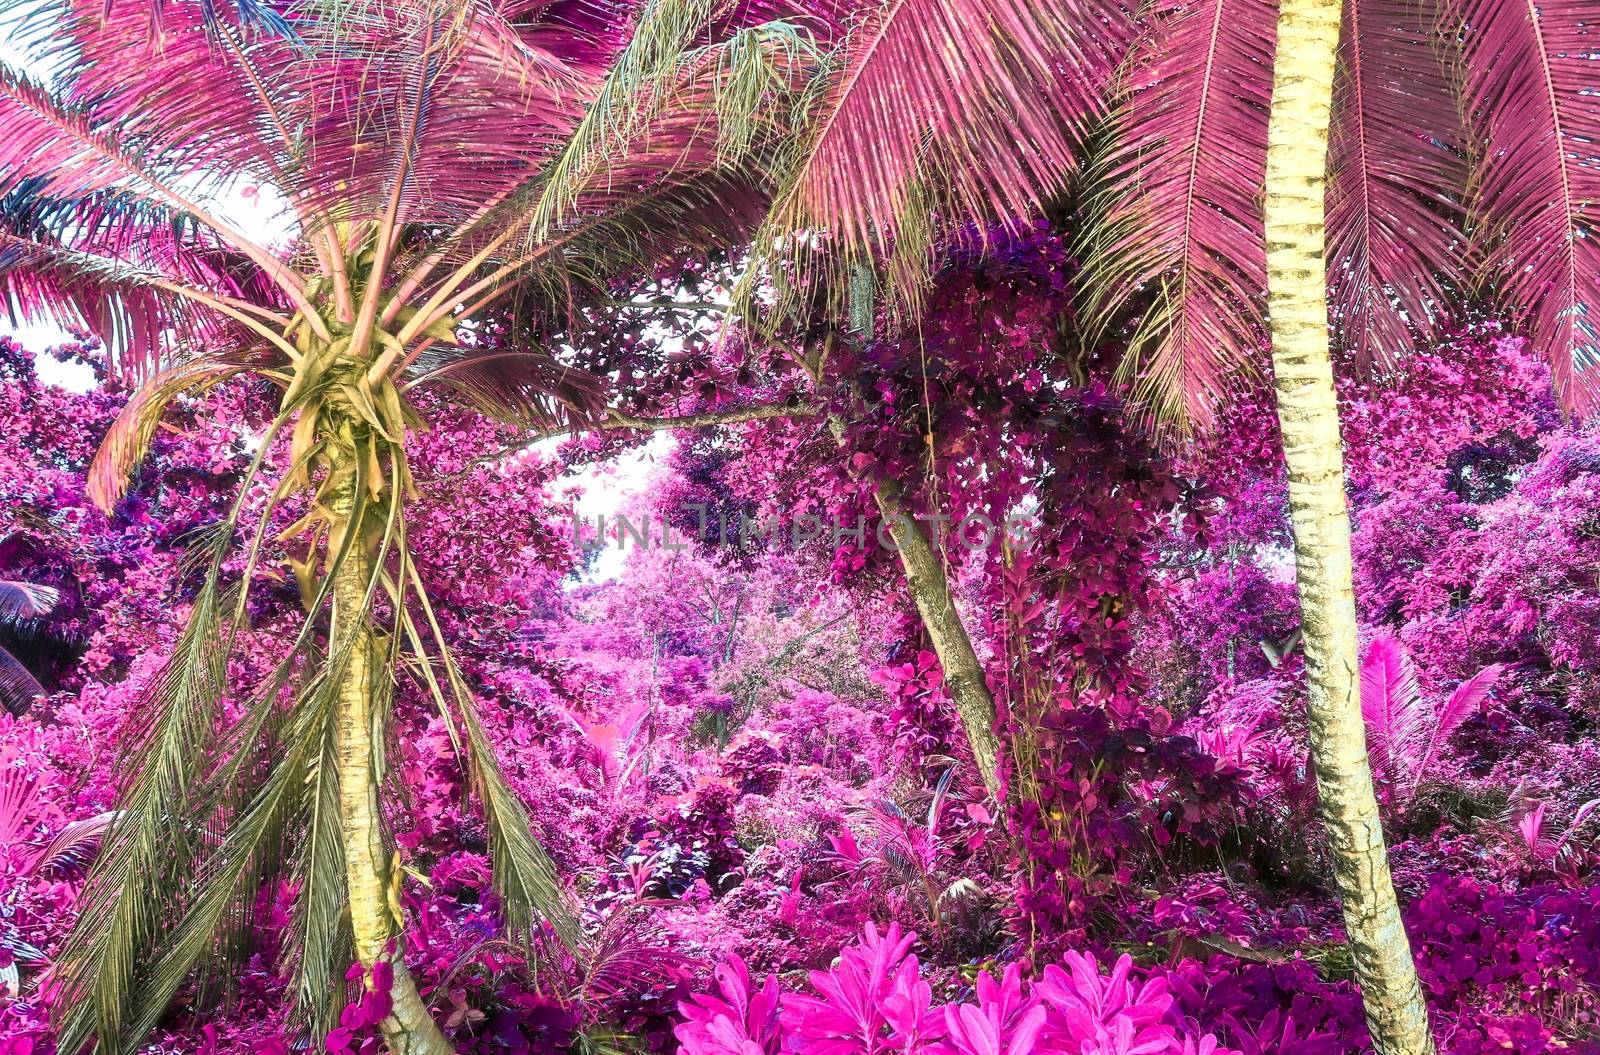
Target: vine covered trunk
929	587
358	745
1302	94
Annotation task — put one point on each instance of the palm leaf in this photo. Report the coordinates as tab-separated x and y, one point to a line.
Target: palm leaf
26	600
1396	178
1391	705
1529	86
1175	238
128	439
73	844
940	114
524	876
226	884
136	311
18	688
19	792
147	852
526	386
153	845
635	91
1461	705
68	148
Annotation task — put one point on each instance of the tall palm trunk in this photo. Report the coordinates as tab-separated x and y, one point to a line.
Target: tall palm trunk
358	744
1297	143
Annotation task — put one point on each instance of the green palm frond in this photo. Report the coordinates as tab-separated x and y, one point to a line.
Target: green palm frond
634	92
321	945
227	883
524	876
150	850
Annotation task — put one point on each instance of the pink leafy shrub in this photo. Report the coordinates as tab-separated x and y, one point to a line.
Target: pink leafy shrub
876	1000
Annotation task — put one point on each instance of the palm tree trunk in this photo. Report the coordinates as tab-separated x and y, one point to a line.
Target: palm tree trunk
1297	142
358	741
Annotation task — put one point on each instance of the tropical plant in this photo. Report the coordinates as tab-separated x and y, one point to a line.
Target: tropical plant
1357	143
1536	838
738	1018
437	161
1407	735
908	855
874	1000
19	601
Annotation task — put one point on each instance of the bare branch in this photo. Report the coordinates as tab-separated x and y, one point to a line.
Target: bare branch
733	415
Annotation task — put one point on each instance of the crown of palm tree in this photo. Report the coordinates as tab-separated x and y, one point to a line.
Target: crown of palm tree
435	159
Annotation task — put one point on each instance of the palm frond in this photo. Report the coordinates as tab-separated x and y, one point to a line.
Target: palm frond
154	843
527	386
226	882
1391	704
1529	86
940	116
1177	230
139	313
635	91
1396	179
19	794
70	147
162	77
149	851
26	600
128	439
321	942
73	844
21	600
1462	704
524	876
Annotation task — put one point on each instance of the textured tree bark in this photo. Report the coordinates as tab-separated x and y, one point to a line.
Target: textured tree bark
1297	141
929	587
409	1029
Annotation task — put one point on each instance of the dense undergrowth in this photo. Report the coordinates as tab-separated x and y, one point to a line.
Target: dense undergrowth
744	766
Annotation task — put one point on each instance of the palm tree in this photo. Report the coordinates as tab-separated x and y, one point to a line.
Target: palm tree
439	160
21	600
939	114
1308	414
1383	206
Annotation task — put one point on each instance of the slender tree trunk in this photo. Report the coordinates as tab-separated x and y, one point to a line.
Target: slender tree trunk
1297	141
929	587
410	1029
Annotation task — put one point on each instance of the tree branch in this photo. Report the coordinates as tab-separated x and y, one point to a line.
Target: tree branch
760	412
